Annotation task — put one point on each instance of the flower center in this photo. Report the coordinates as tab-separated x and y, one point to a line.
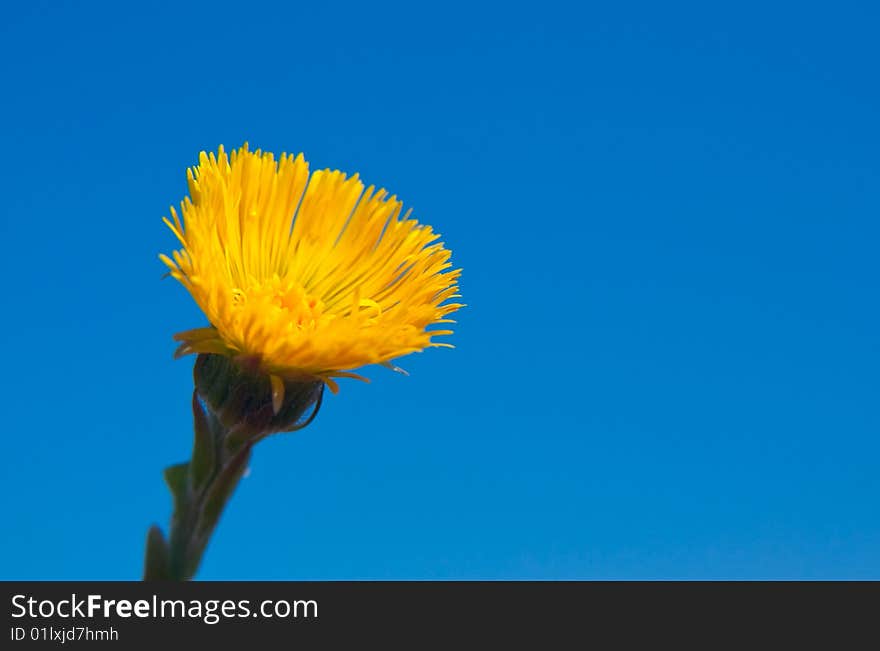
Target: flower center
302	308
281	300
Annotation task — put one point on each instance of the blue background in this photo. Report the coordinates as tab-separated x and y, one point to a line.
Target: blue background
668	223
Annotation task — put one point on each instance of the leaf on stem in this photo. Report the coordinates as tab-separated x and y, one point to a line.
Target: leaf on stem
157	566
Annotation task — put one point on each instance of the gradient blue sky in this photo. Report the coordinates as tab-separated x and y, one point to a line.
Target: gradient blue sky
667	216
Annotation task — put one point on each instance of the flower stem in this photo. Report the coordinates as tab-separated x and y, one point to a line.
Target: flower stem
201	488
234	407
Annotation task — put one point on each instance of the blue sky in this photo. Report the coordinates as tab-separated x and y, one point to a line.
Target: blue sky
667	219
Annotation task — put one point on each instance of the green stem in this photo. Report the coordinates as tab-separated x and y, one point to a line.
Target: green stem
200	488
233	409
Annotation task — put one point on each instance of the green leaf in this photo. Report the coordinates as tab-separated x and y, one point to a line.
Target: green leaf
157	566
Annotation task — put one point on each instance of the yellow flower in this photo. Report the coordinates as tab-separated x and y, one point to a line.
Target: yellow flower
305	276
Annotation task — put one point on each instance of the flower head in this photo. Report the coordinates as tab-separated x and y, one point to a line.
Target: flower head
305	276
